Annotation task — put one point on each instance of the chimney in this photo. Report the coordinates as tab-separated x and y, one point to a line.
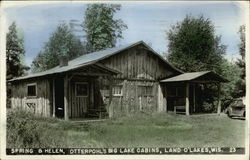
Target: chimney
63	62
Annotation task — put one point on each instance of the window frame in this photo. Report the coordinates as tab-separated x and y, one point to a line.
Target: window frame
86	83
145	90
115	94
31	84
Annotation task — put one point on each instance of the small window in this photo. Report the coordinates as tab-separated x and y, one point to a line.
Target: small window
117	90
31	90
146	90
81	89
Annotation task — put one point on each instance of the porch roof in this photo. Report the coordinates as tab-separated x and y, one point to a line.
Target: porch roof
202	77
59	69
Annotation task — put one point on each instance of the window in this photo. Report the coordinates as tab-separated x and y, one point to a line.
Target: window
117	90
31	90
146	90
81	89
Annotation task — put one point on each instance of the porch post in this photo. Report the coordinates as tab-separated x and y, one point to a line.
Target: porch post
187	99
194	96
219	100
166	97
111	109
66	116
54	101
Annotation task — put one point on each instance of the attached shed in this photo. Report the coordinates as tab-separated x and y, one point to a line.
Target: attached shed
114	81
181	90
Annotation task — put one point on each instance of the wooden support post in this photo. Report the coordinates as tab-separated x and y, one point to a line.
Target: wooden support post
187	99
111	109
219	100
166	97
160	98
66	116
69	98
194	96
54	101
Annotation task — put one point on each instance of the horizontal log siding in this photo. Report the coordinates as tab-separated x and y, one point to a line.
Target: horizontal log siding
40	105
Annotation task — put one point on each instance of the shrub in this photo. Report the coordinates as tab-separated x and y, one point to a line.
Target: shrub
209	107
24	129
20	131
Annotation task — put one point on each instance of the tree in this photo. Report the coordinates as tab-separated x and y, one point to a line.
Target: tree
231	71
14	57
14	53
240	89
102	30
242	45
193	45
62	44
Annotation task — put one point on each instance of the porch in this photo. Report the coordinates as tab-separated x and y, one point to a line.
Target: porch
182	92
77	94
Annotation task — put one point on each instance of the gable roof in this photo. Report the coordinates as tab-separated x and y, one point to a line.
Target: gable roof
92	58
195	76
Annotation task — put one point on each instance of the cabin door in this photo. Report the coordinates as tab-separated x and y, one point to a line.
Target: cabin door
59	97
81	97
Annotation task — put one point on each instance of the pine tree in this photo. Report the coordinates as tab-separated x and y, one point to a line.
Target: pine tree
14	53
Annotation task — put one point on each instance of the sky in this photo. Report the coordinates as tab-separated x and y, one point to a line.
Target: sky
147	21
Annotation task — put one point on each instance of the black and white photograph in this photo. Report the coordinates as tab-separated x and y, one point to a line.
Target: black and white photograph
124	80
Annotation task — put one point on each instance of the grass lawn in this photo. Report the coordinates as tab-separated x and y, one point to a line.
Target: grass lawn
141	130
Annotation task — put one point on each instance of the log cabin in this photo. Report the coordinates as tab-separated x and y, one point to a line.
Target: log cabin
111	82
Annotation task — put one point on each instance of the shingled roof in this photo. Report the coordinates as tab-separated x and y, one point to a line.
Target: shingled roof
207	76
92	58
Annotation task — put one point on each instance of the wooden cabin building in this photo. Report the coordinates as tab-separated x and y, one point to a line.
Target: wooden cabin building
110	82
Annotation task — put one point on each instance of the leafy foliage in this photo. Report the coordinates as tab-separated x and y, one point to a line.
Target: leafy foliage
242	45
62	44
14	53
231	72
27	130
193	45
102	30
240	89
